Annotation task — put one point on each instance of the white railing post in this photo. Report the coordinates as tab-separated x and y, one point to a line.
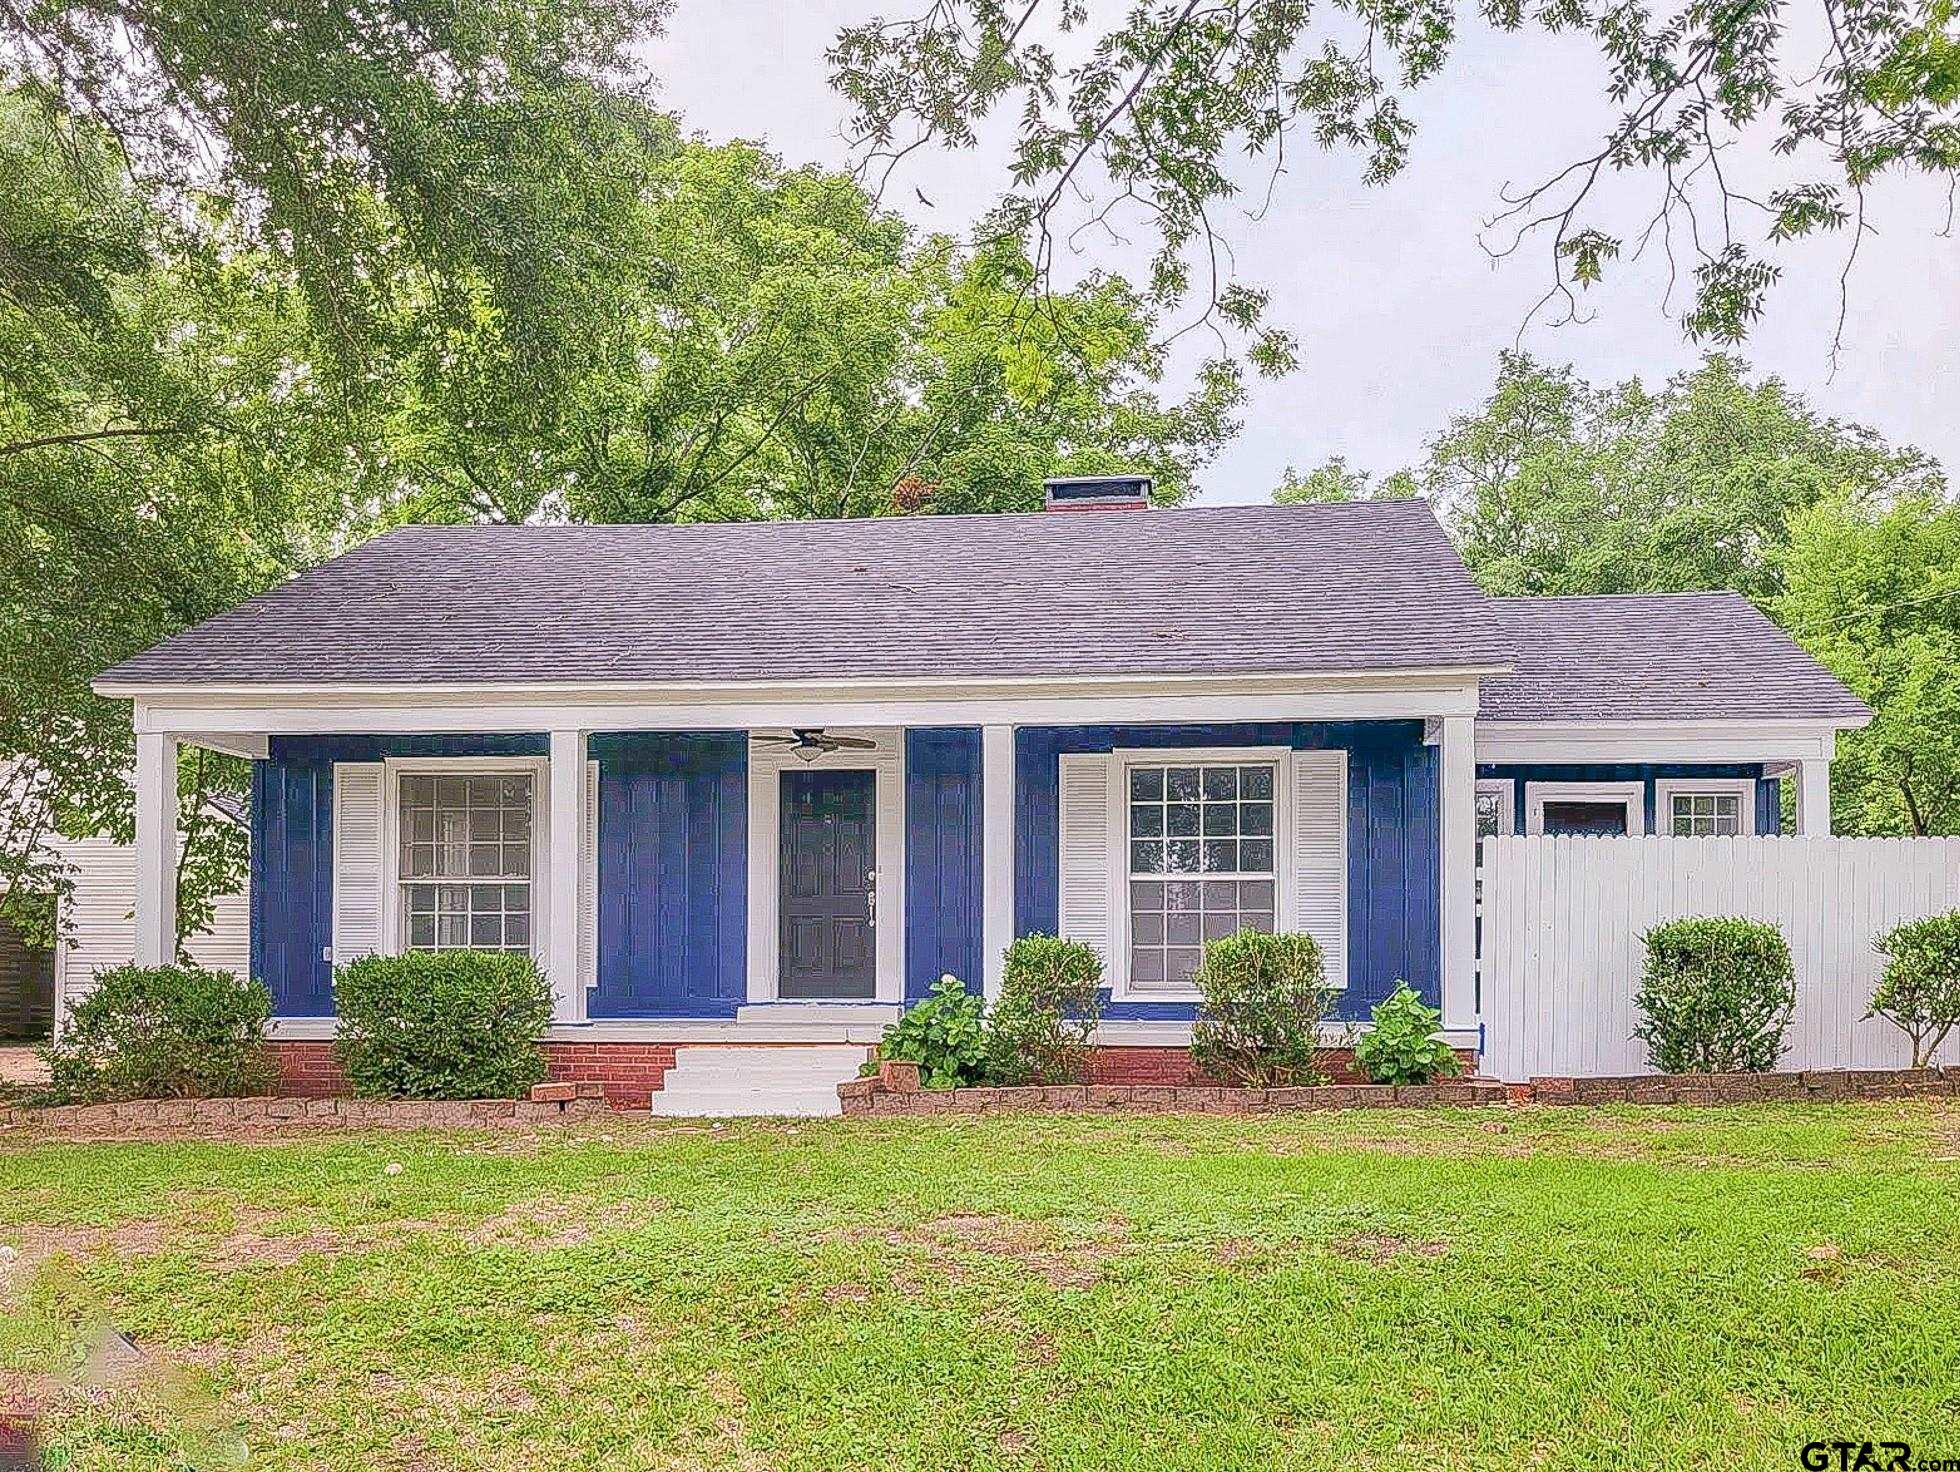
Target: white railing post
1459	842
566	845
156	849
1814	797
996	852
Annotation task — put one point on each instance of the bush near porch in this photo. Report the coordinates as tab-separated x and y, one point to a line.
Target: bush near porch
442	1024
1135	1295
162	1032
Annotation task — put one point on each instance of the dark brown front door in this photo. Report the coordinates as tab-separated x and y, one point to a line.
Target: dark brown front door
829	870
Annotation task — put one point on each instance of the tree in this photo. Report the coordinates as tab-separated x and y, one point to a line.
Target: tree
1557	487
1335	480
1874	592
1168	95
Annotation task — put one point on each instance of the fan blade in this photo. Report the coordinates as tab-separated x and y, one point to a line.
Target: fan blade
848	743
778	740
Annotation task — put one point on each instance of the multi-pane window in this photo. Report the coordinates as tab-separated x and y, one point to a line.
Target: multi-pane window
465	847
1704	814
1202	862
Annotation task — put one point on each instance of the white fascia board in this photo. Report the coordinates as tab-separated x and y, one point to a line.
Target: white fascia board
1510	742
427	711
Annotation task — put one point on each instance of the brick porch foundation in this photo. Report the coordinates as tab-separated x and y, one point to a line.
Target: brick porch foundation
629	1072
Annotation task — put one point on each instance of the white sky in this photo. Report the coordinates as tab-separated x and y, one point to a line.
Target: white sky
1398	311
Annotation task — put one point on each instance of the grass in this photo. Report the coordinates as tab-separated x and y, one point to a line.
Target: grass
1538	1288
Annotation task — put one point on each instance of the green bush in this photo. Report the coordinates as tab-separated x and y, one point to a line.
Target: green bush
1716	996
943	1032
163	1032
442	1024
1049	1004
1920	991
1259	1020
1402	1046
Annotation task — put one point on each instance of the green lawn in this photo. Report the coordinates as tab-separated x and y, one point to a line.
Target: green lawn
1541	1288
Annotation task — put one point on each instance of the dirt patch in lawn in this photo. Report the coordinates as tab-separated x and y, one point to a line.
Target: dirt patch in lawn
1380	1247
952	1244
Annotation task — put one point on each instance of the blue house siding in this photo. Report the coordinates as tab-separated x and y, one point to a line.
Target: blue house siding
291	907
292	852
942	858
1394	842
673	875
1768	815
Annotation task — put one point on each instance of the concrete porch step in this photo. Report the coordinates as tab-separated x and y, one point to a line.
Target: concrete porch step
733	1081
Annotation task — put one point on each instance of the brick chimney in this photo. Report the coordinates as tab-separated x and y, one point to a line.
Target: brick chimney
1095	493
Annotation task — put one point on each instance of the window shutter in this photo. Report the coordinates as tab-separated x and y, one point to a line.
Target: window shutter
588	881
1086	878
1320	854
357	850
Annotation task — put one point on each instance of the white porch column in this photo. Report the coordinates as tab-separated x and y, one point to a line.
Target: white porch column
1459	832
1814	796
156	849
567	843
996	851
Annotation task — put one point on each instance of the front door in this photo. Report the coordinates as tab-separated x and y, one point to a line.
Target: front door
829	879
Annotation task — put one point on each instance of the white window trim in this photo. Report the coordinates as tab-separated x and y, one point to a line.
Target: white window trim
1506	793
767	763
1632	794
393	769
1743	789
1284	875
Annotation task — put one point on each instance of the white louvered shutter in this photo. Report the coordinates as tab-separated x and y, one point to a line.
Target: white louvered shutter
1320	854
1086	880
588	881
357	850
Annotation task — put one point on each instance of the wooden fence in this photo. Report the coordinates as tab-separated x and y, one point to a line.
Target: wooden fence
1562	920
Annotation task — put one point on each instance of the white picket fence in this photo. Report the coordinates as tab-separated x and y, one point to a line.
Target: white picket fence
1563	917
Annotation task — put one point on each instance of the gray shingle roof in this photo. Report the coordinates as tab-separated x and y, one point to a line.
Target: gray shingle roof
1656	656
1210	590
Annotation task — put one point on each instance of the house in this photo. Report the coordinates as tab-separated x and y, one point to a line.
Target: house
762	783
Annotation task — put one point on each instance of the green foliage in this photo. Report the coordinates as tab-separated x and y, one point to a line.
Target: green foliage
1920	991
163	1032
441	1024
1151	128
944	1032
1873	590
1336	480
1050	1002
1402	1046
1263	997
1716	996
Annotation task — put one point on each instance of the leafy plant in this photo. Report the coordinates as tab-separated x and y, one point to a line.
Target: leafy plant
1050	1002
1402	1047
1716	996
1263	1000
442	1024
163	1032
1920	991
944	1033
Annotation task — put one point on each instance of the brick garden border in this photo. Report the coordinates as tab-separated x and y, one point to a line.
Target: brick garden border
553	1103
896	1091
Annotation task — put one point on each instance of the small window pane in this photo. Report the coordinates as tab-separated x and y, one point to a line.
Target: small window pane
1146	858
484	858
1147	928
517	932
1221	820
517	858
1181	894
1146	820
1256	782
452	930
1182	929
1256	894
421	931
1147	894
1221	856
1221	783
1256	819
451	792
1181	783
1181	856
1259	920
1147	966
1147	782
1182	963
1217	927
1181	819
1256	856
486	931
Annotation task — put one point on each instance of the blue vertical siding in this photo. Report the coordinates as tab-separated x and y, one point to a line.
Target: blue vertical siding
673	874
942	858
291	905
1767	815
1394	841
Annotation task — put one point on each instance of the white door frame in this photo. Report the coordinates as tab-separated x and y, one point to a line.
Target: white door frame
1631	795
767	763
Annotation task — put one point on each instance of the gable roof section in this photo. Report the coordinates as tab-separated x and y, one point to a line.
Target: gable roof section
1224	590
1657	657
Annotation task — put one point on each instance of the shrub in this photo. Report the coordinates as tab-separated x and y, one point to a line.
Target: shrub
442	1024
1263	999
943	1033
1920	991
1402	1047
1716	996
1048	1008
163	1032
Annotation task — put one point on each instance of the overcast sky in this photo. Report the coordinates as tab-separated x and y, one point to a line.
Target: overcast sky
1398	311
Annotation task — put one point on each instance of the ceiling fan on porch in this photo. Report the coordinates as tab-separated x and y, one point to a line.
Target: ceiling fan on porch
810	742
